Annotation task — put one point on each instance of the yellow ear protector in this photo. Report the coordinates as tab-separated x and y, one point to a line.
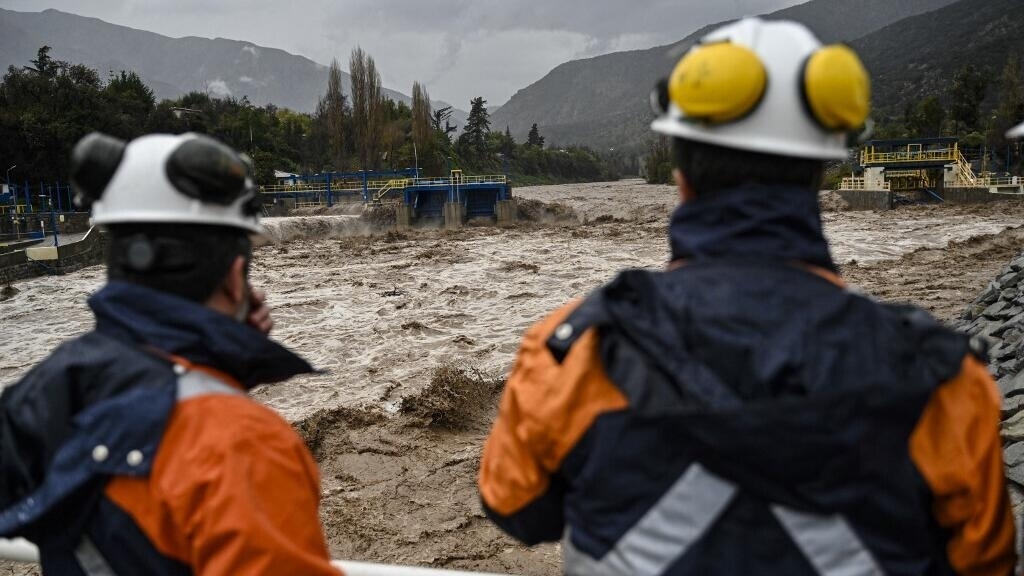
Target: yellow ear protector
724	82
836	88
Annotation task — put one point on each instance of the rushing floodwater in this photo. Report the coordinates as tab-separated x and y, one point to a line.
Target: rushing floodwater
379	314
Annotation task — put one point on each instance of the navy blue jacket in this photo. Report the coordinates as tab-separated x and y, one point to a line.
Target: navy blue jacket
742	413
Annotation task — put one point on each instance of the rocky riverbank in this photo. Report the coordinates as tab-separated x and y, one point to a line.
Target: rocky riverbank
997	317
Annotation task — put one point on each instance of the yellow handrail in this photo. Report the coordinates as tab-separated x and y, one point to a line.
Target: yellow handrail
966	173
854	183
868	156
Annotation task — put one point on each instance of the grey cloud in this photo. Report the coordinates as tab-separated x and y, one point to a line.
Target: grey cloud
460	48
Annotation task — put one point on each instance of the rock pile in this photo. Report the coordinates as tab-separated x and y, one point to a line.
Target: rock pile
997	315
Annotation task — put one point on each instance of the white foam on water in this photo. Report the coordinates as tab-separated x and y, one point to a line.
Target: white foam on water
288	228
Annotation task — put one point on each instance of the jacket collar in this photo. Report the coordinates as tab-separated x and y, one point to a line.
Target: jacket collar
777	223
176	326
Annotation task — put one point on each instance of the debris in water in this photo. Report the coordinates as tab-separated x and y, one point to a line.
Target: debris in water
456	397
8	292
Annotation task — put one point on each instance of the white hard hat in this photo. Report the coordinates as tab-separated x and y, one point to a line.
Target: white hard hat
1016	132
162	178
769	87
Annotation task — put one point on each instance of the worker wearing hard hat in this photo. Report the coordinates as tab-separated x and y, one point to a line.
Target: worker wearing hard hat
743	412
134	449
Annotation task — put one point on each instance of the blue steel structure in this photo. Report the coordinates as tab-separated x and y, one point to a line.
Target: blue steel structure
20	202
479	195
26	199
427	196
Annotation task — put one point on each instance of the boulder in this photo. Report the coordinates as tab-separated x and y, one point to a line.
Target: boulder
1013	459
990	295
1011	279
1012	405
1009	367
1012	429
995	311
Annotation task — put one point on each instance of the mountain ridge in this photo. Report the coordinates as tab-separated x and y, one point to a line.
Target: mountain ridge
617	113
173	66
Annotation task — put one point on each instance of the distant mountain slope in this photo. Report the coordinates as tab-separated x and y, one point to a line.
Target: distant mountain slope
171	66
919	56
602	101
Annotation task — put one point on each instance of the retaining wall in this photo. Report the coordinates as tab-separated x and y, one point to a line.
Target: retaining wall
867	199
973	196
89	251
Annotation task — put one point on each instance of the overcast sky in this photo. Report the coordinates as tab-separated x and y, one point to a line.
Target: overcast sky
458	48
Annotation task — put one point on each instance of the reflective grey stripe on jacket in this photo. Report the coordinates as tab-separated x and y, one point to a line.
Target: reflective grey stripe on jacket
91	560
690	508
828	542
195	383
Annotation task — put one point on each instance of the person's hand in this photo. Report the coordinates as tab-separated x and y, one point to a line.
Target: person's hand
259	312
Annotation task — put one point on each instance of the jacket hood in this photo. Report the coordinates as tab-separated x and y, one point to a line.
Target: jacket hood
150	318
780	223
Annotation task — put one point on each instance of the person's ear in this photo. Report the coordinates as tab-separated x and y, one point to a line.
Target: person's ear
685	192
234	286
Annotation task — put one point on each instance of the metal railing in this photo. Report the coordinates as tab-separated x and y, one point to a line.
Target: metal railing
13	209
869	156
967	176
387	187
854	183
905	174
20	550
376	185
306	188
987	180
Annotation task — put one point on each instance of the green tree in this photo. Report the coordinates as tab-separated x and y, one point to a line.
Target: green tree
508	143
131	103
366	108
1010	107
658	162
967	92
441	120
473	141
925	119
44	109
423	135
534	138
334	113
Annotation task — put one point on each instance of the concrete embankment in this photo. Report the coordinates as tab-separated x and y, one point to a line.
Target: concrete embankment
75	252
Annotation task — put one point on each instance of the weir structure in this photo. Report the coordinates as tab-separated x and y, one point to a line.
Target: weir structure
935	168
451	199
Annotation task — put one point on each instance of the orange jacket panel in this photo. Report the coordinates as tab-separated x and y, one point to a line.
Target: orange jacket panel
957	448
545	410
233	490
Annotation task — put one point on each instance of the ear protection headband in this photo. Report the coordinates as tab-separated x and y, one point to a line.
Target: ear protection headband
724	82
